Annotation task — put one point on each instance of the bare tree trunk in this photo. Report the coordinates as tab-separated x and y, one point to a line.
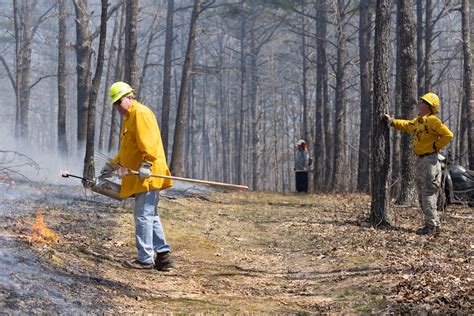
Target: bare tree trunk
83	55
467	79
130	75
177	159
459	131
428	45
328	137
223	114
190	131
206	129
253	84
23	38
165	110
118	76
62	79
16	82
379	210
24	30
89	168
419	47
363	173
339	129
396	137
406	48
243	73
305	132
275	119
321	78
105	101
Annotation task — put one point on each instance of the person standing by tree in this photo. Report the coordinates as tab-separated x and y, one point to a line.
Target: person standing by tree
429	136
141	149
302	163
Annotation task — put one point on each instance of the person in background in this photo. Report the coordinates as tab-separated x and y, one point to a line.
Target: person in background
429	135
141	149
302	163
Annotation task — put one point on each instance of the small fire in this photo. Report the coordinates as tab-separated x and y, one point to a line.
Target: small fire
41	233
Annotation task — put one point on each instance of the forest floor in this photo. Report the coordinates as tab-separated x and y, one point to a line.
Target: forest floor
240	252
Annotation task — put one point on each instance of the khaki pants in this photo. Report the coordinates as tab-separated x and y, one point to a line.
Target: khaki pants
428	183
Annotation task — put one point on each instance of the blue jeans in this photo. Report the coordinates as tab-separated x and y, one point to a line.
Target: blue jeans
149	235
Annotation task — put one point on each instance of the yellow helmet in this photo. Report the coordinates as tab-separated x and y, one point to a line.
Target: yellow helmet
118	90
433	100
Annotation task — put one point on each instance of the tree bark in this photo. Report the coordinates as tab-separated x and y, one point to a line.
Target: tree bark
223	113
379	211
83	55
206	146
239	130
253	85
89	165
321	79
106	101
339	129
62	79
166	102
23	41
467	79
419	47
396	137
190	130
177	158
118	76
130	75
305	132
363	173
428	45
407	50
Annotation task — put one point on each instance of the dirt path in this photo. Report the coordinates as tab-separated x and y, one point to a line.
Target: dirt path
256	252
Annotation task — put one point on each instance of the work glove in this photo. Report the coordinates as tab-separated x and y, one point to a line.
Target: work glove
145	170
310	161
388	118
107	171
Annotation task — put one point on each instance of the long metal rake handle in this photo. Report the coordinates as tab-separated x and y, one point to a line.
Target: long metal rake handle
213	183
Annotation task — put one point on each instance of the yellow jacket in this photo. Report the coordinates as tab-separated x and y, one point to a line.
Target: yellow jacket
140	140
429	133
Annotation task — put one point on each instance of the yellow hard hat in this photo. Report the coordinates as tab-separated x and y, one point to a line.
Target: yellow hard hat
433	100
118	90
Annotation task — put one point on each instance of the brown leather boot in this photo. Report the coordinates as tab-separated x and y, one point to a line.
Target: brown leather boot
135	264
164	262
428	230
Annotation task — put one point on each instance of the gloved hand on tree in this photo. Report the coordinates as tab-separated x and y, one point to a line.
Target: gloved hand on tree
145	170
388	118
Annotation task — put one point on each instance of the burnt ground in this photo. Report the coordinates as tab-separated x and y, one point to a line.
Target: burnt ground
235	252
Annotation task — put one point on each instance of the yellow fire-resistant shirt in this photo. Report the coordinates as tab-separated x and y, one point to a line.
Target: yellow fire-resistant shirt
140	140
429	133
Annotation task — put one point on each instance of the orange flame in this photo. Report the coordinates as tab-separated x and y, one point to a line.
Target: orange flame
41	233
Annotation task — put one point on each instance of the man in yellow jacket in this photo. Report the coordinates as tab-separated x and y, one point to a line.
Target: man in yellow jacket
141	149
429	136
